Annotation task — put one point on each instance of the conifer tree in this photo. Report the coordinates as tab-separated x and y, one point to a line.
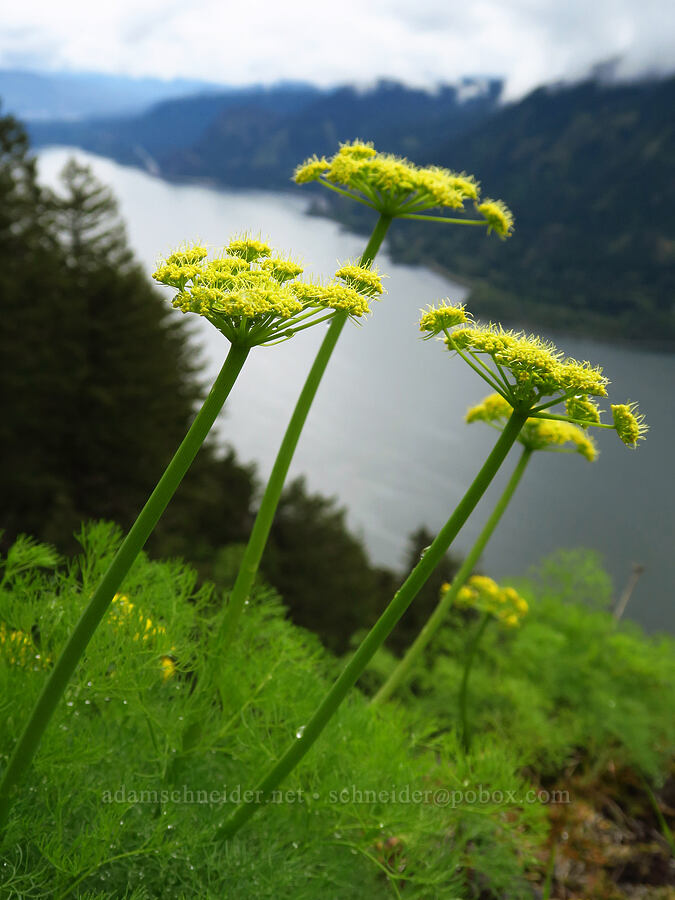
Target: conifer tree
99	378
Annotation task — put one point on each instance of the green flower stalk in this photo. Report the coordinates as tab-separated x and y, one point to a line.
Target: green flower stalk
503	604
394	188
536	434
527	370
254	299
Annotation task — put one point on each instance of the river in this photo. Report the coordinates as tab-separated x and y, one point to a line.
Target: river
386	433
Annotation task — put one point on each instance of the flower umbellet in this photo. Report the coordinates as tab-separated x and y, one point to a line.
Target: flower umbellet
629	423
254	298
483	594
536	434
398	188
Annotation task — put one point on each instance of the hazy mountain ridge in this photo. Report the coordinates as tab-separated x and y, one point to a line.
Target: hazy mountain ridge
588	171
75	95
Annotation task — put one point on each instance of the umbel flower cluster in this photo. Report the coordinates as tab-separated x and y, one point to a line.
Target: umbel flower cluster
125	615
484	595
253	297
396	187
18	649
536	434
531	375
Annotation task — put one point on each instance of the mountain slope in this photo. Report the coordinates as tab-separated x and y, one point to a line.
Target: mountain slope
588	172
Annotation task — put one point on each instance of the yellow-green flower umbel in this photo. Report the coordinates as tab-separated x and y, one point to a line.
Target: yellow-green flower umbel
530	376
254	297
536	434
398	188
484	595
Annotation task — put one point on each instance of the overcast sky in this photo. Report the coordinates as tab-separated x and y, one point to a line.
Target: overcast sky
421	42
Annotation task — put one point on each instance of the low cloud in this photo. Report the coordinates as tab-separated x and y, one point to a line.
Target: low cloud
528	42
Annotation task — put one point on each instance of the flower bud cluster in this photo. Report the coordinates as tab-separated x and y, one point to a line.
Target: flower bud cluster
18	649
484	595
253	297
396	187
124	615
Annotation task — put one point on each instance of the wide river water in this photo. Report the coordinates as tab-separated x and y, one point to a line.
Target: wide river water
386	433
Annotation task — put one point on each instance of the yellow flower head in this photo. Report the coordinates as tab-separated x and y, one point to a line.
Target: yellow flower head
396	187
440	318
550	434
629	424
248	249
253	297
282	270
492	408
484	595
498	216
126	616
366	281
537	434
585	411
18	649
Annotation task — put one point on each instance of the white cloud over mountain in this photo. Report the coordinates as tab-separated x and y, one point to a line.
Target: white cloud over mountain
421	42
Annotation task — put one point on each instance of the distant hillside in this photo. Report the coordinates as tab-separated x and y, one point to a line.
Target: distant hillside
75	95
172	129
256	136
589	173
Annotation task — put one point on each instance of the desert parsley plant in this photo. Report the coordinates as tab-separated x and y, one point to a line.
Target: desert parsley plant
254	298
349	825
504	605
532	376
393	188
536	434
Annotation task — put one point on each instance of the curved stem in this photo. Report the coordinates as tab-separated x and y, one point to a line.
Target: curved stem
423	218
435	620
379	632
268	506
122	562
466	736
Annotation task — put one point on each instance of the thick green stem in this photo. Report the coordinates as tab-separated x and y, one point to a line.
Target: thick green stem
436	619
379	632
270	501
125	556
466	735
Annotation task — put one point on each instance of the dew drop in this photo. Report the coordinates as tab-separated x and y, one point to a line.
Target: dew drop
299	733
295	845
